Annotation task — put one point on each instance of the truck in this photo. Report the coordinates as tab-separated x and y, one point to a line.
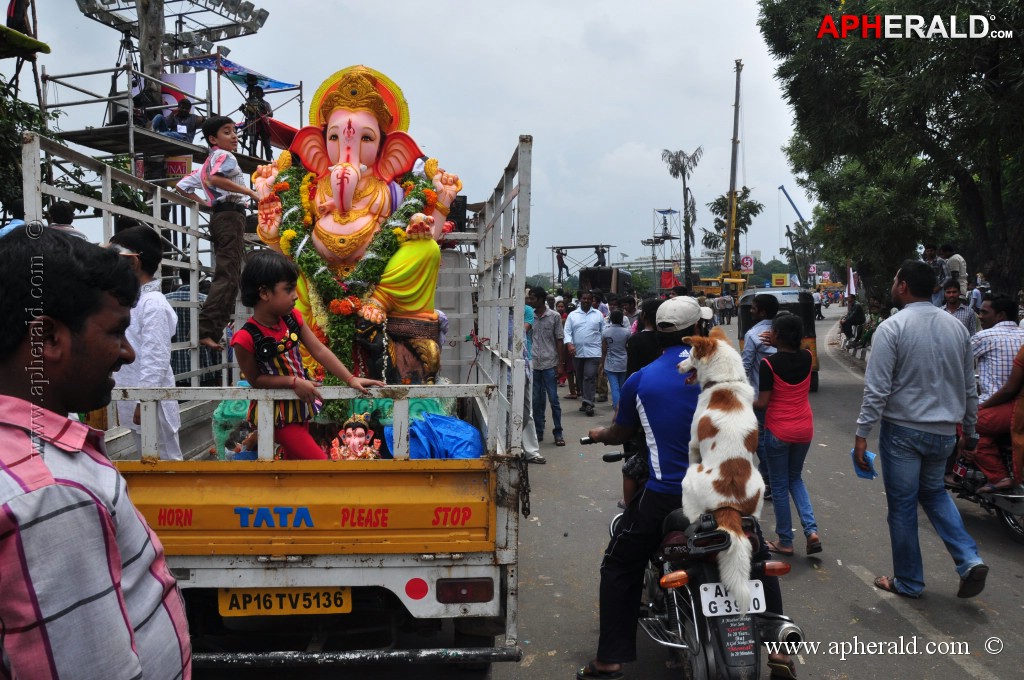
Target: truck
314	563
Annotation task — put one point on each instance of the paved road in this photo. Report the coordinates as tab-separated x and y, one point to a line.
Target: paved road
830	594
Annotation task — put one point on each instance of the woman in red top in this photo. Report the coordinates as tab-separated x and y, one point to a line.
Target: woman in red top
268	352
788	430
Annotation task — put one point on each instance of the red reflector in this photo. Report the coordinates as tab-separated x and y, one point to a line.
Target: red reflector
454	590
774	568
416	589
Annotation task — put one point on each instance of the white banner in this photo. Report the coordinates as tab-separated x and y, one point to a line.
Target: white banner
182	81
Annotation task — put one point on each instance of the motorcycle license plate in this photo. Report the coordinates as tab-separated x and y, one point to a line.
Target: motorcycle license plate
283	601
716	600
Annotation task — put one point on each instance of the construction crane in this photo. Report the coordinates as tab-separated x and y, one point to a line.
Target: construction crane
731	276
789	236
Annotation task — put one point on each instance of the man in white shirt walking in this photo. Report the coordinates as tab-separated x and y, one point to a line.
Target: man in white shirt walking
582	334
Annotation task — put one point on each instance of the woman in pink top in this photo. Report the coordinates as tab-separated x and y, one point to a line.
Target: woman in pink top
788	430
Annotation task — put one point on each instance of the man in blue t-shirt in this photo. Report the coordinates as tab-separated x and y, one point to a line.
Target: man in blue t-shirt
657	398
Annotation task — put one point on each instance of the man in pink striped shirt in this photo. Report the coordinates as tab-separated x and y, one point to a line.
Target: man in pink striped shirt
85	590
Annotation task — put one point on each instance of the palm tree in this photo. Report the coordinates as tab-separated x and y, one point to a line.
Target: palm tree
746	210
804	248
680	165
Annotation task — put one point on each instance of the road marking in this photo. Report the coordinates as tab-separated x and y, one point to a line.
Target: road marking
969	665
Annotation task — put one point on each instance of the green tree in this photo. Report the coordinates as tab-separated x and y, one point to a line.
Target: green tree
746	210
542	280
680	165
16	117
804	248
641	281
946	111
873	211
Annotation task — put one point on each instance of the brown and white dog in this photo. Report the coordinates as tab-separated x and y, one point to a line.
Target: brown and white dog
722	477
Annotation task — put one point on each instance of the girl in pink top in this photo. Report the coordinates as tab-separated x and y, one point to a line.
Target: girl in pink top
788	430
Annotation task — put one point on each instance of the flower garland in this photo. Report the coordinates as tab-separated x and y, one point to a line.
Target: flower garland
349	294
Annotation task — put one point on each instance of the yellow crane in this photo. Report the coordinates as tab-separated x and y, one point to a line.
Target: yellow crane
732	277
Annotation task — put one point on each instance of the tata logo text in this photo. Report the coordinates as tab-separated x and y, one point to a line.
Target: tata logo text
277	517
909	26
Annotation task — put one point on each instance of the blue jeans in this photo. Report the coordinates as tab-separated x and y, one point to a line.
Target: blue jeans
545	386
161	125
615	380
913	463
762	458
785	465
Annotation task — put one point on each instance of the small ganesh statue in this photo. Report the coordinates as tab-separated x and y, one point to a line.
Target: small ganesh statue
356	206
355	434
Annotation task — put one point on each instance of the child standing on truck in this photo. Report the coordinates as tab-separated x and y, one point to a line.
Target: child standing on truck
152	327
267	347
223	181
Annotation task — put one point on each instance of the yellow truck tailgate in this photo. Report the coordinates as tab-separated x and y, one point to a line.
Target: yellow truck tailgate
316	507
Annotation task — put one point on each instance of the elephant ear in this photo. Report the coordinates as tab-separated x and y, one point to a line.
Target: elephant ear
397	157
309	145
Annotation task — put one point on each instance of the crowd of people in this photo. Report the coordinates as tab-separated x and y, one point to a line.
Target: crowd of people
603	347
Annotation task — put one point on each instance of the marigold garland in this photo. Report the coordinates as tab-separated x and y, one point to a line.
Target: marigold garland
298	215
286	241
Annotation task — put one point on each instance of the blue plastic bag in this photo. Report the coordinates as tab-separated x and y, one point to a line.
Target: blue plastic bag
437	436
869	458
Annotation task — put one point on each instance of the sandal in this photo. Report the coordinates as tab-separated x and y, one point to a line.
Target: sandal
888	584
1003	485
782	666
572	395
588	672
813	544
559	441
773	546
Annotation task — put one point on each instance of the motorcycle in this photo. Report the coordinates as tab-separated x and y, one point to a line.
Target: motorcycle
1007	505
687	609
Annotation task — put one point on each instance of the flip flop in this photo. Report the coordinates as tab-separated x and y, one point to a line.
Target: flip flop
782	668
774	547
559	441
888	584
1003	485
588	672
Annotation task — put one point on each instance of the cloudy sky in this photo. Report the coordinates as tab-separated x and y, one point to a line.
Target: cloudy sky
602	86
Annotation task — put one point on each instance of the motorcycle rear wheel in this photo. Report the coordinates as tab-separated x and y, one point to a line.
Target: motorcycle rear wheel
1012	523
694	659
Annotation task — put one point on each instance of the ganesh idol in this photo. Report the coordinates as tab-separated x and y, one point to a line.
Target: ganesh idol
354	203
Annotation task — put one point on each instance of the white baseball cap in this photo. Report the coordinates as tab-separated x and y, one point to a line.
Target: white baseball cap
679	313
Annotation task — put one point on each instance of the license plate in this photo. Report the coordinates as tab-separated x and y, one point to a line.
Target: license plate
716	600
283	601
